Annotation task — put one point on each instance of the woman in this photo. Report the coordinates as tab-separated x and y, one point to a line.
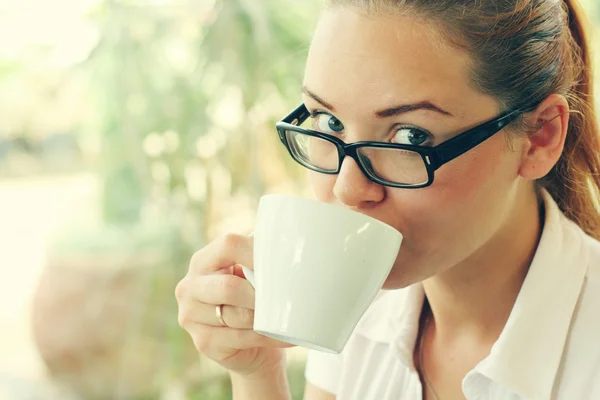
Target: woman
497	283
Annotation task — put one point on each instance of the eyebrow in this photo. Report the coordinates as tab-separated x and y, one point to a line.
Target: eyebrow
388	112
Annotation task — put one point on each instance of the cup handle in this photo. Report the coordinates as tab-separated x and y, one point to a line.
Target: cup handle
248	273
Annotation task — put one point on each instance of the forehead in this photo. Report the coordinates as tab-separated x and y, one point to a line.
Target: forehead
357	60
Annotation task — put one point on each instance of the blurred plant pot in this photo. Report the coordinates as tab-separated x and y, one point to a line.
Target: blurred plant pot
104	313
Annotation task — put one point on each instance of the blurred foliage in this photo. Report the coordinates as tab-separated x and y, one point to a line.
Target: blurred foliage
186	97
185	101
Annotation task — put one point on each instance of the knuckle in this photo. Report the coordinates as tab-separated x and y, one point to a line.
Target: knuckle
195	260
231	241
180	290
183	315
181	319
202	341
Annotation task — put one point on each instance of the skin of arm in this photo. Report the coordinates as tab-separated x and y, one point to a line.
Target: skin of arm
265	385
311	392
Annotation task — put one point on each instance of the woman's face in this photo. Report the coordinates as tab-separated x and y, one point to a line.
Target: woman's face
359	65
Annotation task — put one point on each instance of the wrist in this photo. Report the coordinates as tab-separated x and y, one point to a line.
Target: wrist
268	383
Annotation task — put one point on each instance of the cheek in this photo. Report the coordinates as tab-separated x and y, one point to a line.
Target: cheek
322	186
451	219
461	187
478	177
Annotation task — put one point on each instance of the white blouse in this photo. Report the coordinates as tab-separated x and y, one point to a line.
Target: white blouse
548	350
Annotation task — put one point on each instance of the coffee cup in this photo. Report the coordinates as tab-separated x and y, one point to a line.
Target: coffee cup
317	268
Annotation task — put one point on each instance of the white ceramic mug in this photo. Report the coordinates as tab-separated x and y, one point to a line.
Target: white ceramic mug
317	268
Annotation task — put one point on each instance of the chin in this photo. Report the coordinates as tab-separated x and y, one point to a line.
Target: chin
399	279
403	273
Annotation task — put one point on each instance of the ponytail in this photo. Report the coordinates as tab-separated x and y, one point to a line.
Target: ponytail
575	181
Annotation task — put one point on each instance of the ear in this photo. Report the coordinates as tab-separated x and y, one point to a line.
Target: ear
543	147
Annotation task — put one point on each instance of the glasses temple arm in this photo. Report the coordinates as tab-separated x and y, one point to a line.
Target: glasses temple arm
464	142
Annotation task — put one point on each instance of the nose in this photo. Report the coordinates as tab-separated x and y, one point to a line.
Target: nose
354	189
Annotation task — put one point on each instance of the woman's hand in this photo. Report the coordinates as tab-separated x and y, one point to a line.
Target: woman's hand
214	278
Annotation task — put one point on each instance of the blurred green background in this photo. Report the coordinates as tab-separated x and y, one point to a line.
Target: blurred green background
131	134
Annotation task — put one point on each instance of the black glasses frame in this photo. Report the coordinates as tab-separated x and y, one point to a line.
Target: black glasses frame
433	157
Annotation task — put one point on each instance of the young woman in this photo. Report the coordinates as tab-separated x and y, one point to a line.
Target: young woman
487	160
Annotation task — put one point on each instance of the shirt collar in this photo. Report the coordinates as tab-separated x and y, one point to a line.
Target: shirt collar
527	355
393	318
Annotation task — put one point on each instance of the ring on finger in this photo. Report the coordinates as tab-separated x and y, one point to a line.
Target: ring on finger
219	311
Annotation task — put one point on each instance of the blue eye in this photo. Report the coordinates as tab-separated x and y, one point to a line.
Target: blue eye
411	136
326	123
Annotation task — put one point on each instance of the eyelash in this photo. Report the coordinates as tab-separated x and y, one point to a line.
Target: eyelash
315	113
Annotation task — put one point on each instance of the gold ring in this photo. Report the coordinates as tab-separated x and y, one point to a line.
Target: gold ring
220	315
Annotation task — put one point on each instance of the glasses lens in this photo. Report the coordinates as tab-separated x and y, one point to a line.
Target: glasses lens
313	152
394	165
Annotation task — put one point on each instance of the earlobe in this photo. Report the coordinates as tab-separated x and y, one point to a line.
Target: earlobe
546	142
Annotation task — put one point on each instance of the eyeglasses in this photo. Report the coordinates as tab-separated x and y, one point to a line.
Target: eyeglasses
389	164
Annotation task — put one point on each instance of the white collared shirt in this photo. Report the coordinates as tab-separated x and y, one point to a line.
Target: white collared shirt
549	348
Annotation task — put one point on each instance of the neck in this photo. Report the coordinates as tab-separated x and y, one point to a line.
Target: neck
474	299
